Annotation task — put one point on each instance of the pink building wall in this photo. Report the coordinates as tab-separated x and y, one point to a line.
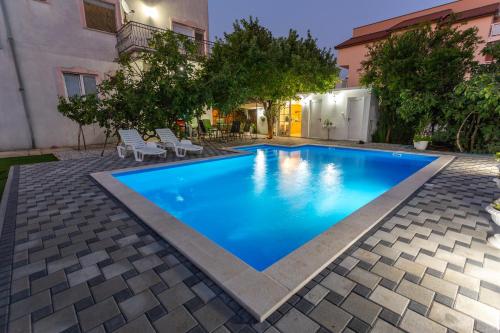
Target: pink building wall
51	37
351	57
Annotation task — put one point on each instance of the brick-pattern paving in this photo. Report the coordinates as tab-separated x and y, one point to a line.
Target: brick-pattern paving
75	260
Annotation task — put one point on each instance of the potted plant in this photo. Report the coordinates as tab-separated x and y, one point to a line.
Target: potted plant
494	210
421	141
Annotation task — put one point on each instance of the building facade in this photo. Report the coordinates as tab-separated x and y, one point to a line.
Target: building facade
482	14
51	48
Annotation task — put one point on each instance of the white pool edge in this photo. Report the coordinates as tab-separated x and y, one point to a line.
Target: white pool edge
261	293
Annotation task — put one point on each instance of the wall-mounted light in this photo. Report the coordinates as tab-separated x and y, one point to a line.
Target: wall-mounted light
150	12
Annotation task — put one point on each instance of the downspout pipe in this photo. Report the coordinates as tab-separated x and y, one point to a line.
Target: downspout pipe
10	38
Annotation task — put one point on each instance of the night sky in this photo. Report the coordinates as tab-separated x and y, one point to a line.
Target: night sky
330	21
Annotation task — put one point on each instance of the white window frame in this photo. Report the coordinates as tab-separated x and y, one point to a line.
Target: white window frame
82	84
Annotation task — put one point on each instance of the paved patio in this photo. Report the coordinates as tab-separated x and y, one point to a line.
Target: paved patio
75	260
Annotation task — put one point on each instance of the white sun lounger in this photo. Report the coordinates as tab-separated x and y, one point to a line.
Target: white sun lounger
131	140
168	139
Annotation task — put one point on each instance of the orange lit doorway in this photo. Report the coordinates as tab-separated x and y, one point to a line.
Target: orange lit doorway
296	120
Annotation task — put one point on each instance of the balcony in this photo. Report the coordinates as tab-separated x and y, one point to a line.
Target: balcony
135	36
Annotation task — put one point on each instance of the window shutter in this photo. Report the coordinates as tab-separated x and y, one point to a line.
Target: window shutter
100	15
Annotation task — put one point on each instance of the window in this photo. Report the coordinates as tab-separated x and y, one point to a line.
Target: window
183	29
100	15
196	34
79	84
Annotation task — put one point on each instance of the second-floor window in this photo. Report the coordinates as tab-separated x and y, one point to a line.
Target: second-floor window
79	84
196	34
100	15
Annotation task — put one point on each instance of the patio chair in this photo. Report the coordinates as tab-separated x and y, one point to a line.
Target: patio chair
169	140
209	128
132	140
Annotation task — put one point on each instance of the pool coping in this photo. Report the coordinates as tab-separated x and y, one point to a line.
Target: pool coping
261	293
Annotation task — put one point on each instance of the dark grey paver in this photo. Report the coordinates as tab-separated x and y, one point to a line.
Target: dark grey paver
63	223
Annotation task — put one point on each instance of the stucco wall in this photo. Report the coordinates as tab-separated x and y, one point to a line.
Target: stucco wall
13	130
456	6
334	107
51	37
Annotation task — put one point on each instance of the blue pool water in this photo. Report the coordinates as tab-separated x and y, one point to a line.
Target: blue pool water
262	206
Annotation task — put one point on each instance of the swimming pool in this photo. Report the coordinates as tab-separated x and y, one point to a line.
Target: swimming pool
266	204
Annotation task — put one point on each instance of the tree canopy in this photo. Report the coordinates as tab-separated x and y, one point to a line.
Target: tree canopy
251	65
414	74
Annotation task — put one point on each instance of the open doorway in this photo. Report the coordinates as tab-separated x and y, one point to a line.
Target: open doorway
296	120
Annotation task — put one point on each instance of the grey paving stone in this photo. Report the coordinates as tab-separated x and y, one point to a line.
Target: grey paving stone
56	322
147	263
28	269
330	316
410	267
48	281
62	263
364	277
179	320
440	286
384	327
316	294
485	313
175	296
93	258
450	318
138	304
338	284
389	272
295	322
117	268
140	324
415	323
70	296
203	292
213	314
108	288
128	240
415	292
97	314
366	256
143	281
390	300
123	253
83	275
30	304
20	325
175	275
151	248
362	308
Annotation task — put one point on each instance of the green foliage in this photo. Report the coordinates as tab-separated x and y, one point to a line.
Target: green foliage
251	65
81	109
415	72
476	109
154	89
420	137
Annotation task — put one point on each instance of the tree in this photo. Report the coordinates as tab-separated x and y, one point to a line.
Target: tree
477	106
80	109
414	73
154	89
251	65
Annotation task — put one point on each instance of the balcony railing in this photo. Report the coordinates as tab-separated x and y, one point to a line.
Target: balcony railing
135	36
